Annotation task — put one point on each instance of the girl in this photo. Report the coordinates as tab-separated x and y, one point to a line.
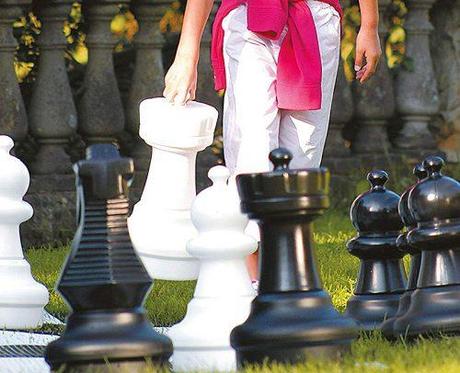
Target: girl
278	62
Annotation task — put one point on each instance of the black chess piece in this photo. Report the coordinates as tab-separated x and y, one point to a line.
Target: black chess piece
292	318
104	281
381	279
415	254
435	206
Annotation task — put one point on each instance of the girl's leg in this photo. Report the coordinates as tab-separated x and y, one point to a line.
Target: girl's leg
251	117
304	132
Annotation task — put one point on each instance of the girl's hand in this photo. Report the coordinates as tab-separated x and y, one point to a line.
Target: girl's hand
368	52
180	81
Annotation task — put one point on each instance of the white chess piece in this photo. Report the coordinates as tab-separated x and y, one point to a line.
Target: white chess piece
21	298
160	224
224	292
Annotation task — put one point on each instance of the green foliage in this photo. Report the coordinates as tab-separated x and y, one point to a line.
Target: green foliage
125	27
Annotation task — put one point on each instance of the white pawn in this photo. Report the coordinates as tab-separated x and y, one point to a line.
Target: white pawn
21	298
160	224
224	292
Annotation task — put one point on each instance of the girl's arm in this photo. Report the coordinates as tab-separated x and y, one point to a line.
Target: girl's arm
368	49
180	81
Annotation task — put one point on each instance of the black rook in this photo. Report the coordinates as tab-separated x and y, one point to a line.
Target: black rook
292	318
104	281
435	206
381	278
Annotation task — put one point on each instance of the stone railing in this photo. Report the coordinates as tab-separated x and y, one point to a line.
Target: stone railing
389	118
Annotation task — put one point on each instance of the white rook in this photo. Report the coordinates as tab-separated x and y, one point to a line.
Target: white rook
160	224
224	292
22	299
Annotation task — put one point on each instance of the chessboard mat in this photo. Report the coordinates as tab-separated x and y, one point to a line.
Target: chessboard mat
22	351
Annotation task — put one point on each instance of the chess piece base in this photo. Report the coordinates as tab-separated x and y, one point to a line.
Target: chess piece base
163	250
22	299
404	304
432	310
96	337
201	340
214	360
170	268
291	355
111	367
302	324
370	310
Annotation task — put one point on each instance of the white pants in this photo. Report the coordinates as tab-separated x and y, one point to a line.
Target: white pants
252	123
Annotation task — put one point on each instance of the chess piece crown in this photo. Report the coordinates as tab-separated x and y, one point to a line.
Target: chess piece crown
22	299
15	178
376	206
216	215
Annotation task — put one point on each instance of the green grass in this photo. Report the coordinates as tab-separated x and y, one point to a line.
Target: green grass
166	305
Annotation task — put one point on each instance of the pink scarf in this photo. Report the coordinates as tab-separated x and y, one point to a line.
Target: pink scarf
299	71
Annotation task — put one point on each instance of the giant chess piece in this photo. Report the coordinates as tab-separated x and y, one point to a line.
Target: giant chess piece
292	318
21	298
381	279
104	280
415	254
435	206
177	134
224	291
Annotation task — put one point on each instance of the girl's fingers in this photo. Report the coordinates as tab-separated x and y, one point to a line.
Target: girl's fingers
181	97
371	67
361	72
359	60
170	96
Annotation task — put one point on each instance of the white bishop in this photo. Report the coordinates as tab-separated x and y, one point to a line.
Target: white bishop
223	293
21	298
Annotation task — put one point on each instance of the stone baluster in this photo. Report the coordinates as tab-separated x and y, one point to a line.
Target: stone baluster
341	112
417	99
445	50
100	110
148	76
13	117
205	88
374	102
52	113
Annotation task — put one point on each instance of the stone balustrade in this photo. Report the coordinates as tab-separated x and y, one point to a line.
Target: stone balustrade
391	117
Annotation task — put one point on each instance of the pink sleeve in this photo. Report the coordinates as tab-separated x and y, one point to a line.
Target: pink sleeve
268	17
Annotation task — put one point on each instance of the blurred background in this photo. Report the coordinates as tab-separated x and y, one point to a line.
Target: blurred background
73	73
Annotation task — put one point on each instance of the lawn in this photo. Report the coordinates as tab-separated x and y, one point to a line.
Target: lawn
167	303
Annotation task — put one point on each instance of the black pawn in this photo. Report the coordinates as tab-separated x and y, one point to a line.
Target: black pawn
435	304
415	254
292	317
104	281
381	279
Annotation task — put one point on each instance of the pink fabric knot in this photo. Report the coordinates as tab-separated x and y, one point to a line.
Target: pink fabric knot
299	72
